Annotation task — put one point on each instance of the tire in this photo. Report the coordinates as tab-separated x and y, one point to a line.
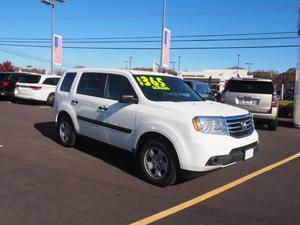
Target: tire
158	162
50	99
66	132
272	125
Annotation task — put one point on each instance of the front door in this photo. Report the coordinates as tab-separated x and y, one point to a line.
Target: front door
118	118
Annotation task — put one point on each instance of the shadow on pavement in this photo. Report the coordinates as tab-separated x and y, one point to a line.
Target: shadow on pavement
27	102
116	157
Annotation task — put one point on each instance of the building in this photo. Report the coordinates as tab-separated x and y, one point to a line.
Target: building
217	78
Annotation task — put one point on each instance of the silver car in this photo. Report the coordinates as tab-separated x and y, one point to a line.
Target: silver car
255	95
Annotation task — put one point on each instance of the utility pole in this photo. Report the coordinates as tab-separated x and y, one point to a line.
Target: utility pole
179	61
297	82
52	4
130	62
162	32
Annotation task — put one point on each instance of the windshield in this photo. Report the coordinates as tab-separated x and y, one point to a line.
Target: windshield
163	88
203	89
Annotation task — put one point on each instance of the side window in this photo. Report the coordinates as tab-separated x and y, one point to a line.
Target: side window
51	81
118	85
67	82
92	84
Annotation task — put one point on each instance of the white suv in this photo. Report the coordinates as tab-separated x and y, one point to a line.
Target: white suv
158	117
37	87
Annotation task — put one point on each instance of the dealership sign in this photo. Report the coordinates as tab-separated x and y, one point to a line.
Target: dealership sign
166	47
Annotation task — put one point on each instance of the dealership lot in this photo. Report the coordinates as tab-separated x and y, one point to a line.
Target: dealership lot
45	183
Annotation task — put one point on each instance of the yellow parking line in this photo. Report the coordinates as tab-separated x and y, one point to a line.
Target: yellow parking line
212	193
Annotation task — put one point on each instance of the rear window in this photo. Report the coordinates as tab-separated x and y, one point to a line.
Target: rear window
67	82
30	79
4	76
51	81
92	84
258	87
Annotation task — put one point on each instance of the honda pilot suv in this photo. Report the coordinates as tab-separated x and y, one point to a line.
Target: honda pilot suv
255	95
158	117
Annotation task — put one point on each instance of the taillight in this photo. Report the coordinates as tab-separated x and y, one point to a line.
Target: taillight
36	88
4	83
274	101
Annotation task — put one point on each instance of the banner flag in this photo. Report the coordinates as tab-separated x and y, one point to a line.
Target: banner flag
57	51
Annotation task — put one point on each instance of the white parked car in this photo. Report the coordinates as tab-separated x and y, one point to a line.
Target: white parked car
156	116
37	87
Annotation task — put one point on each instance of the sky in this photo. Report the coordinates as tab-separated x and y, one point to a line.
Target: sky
135	18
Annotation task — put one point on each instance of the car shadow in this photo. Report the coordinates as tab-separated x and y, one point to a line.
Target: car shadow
27	102
116	157
261	126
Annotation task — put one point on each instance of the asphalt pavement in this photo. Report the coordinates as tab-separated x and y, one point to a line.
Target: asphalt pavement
42	182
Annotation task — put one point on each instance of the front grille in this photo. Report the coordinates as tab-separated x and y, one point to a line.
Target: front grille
240	126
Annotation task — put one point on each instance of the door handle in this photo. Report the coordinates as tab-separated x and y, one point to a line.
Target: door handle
102	108
74	102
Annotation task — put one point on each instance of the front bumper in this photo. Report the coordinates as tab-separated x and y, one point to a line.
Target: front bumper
199	150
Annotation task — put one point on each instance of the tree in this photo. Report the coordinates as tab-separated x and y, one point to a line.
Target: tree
7	66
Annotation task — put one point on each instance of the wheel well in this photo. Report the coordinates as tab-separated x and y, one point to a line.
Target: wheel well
154	135
64	114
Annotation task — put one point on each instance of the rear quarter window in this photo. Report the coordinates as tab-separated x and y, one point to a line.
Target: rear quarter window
67	82
255	87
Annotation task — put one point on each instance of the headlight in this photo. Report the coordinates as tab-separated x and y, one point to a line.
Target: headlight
210	125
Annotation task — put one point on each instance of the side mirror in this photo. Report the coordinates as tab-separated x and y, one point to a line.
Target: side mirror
129	99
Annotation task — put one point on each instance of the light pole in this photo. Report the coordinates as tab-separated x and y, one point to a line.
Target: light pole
179	61
238	61
249	66
126	64
162	32
52	3
130	62
173	63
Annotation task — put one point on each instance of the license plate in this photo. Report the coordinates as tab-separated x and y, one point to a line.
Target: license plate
249	153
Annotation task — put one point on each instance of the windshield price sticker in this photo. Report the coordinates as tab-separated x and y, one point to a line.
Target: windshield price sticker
155	83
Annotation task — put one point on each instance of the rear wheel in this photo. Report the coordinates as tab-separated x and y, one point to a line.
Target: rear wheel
66	132
50	99
272	125
158	162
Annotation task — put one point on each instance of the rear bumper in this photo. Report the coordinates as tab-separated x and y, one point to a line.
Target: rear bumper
267	116
6	93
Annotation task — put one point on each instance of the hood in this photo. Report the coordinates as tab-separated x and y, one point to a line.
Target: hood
202	108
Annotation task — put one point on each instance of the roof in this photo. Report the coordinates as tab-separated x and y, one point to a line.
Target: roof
122	71
251	79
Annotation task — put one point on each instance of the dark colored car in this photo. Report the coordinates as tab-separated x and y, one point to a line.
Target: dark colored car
8	82
203	89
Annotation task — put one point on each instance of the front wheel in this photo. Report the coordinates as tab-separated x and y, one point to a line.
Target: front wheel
66	132
158	163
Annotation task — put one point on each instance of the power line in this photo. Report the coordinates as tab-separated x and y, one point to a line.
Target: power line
157	48
155	15
30	57
156	41
153	37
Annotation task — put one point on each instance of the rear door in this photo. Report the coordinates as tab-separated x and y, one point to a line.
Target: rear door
86	102
253	95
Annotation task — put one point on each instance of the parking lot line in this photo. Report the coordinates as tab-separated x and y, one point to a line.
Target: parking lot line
210	194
